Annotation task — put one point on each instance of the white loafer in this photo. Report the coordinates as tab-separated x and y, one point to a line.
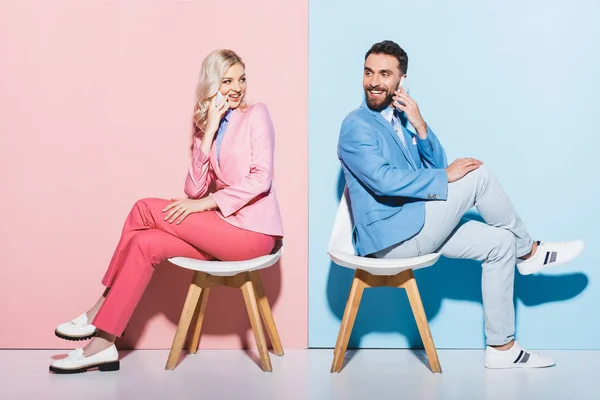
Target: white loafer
76	362
78	329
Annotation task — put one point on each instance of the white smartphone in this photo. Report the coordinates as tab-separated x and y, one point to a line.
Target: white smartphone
404	84
219	98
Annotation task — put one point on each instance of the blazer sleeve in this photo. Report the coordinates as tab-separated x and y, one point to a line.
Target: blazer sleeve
258	180
431	151
359	150
198	178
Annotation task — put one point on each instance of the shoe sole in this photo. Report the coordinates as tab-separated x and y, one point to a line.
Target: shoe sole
78	338
104	367
521	366
531	271
74	338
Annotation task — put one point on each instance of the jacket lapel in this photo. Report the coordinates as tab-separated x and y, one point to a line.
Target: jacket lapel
213	160
388	127
230	131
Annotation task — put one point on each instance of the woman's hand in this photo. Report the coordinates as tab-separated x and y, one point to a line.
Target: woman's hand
215	113
180	208
212	123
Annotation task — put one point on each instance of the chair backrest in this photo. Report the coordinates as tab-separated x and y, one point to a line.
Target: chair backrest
341	236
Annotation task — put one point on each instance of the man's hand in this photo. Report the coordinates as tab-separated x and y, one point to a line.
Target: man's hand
405	103
461	167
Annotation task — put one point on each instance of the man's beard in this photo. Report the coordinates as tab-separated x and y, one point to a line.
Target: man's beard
380	106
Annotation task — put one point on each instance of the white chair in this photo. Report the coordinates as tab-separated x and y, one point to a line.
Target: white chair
238	274
373	272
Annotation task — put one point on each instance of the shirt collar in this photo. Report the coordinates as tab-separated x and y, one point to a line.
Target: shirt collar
227	115
388	114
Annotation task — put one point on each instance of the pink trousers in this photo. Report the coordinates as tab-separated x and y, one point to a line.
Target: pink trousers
148	239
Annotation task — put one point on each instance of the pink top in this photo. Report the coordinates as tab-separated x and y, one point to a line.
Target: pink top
244	190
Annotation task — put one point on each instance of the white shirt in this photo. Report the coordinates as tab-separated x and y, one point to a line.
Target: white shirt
388	114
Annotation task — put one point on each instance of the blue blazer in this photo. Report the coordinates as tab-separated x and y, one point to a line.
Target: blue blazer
388	184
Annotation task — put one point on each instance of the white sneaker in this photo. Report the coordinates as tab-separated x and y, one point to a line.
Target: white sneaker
515	357
549	254
76	362
78	329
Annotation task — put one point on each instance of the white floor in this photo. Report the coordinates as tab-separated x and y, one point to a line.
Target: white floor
300	374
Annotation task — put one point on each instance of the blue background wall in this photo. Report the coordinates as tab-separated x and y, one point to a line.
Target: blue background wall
513	83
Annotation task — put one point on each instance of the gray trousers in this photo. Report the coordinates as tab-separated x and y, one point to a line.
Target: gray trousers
497	243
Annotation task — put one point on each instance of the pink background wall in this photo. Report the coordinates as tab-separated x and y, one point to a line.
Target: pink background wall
95	112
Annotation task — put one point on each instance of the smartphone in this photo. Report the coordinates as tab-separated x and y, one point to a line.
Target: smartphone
404	84
219	98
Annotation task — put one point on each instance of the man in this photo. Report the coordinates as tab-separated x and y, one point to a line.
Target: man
406	201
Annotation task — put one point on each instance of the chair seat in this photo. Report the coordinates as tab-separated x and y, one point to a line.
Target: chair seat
383	267
228	268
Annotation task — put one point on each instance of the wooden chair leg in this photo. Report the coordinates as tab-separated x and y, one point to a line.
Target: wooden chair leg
254	315
356	292
416	304
265	313
187	313
199	314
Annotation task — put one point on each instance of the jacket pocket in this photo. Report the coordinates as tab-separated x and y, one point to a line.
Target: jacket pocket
378	215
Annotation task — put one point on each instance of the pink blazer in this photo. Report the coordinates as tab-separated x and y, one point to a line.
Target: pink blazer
243	186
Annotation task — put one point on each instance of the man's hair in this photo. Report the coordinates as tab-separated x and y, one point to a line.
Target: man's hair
391	49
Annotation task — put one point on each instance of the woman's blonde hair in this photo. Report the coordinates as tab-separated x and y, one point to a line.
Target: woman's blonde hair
214	68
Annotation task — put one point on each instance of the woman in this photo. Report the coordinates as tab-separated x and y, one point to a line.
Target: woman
231	199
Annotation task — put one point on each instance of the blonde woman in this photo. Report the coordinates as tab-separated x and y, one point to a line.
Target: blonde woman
231	212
